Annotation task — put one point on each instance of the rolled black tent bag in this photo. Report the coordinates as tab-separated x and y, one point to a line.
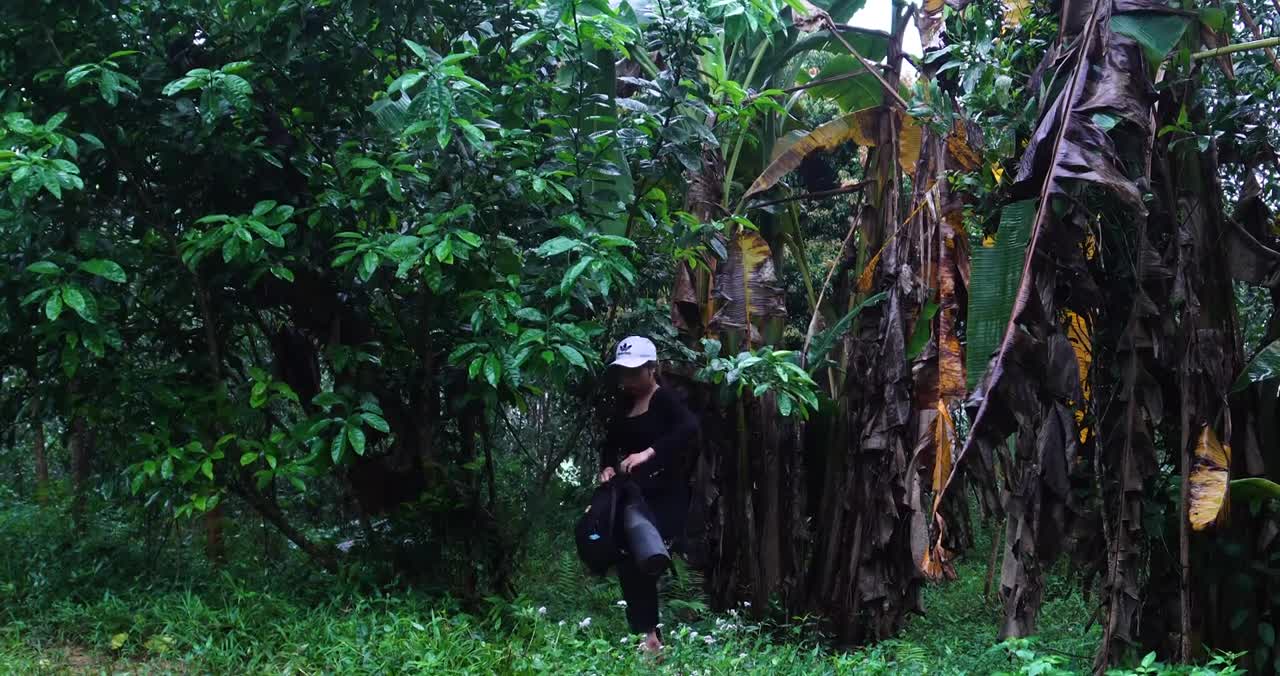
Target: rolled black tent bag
643	538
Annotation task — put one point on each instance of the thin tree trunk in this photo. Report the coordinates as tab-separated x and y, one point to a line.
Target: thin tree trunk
41	458
215	548
80	460
271	512
1184	524
997	539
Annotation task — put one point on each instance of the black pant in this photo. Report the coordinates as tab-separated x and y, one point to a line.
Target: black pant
641	594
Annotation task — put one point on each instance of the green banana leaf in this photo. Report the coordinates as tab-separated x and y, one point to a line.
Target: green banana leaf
993	282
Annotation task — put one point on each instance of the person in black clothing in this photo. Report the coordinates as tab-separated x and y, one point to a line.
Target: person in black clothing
647	440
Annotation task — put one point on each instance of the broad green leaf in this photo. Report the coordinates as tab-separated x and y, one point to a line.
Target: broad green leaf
524	40
1157	32
108	270
53	307
337	446
1254	489
356	436
407	81
994	277
248	459
856	89
1214	18
76	301
1264	366
376	422
44	268
492	369
267	234
418	49
572	355
571	277
178	85
557	246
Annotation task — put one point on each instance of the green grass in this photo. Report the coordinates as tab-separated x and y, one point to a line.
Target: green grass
100	606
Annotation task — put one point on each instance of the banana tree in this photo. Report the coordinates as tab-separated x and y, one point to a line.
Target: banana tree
753	477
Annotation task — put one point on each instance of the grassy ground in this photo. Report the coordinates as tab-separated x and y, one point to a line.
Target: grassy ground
101	606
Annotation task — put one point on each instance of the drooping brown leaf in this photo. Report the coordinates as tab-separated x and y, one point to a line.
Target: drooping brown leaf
951	376
1210	477
1104	72
684	300
747	286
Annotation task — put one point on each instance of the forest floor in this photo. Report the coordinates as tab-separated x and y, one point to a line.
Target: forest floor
100	606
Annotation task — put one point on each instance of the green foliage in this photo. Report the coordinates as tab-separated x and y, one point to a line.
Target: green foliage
765	370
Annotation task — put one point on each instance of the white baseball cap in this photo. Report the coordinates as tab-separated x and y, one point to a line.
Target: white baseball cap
634	351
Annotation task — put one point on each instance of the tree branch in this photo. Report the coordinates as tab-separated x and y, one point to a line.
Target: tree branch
816	195
831	25
1238	47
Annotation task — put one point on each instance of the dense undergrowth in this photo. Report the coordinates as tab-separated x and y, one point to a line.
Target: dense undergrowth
114	602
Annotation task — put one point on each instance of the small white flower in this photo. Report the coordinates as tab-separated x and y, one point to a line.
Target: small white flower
624	640
742	656
708	639
542	610
586	622
622	604
560	623
693	634
746	604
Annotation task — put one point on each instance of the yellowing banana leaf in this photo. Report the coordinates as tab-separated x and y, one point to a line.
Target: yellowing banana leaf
1264	366
994	276
960	150
1015	11
747	287
910	136
857	127
944	440
1081	338
1208	480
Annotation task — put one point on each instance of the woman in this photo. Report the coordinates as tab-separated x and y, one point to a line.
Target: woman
646	440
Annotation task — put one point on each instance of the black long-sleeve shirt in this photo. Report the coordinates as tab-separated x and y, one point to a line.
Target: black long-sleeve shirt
668	428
